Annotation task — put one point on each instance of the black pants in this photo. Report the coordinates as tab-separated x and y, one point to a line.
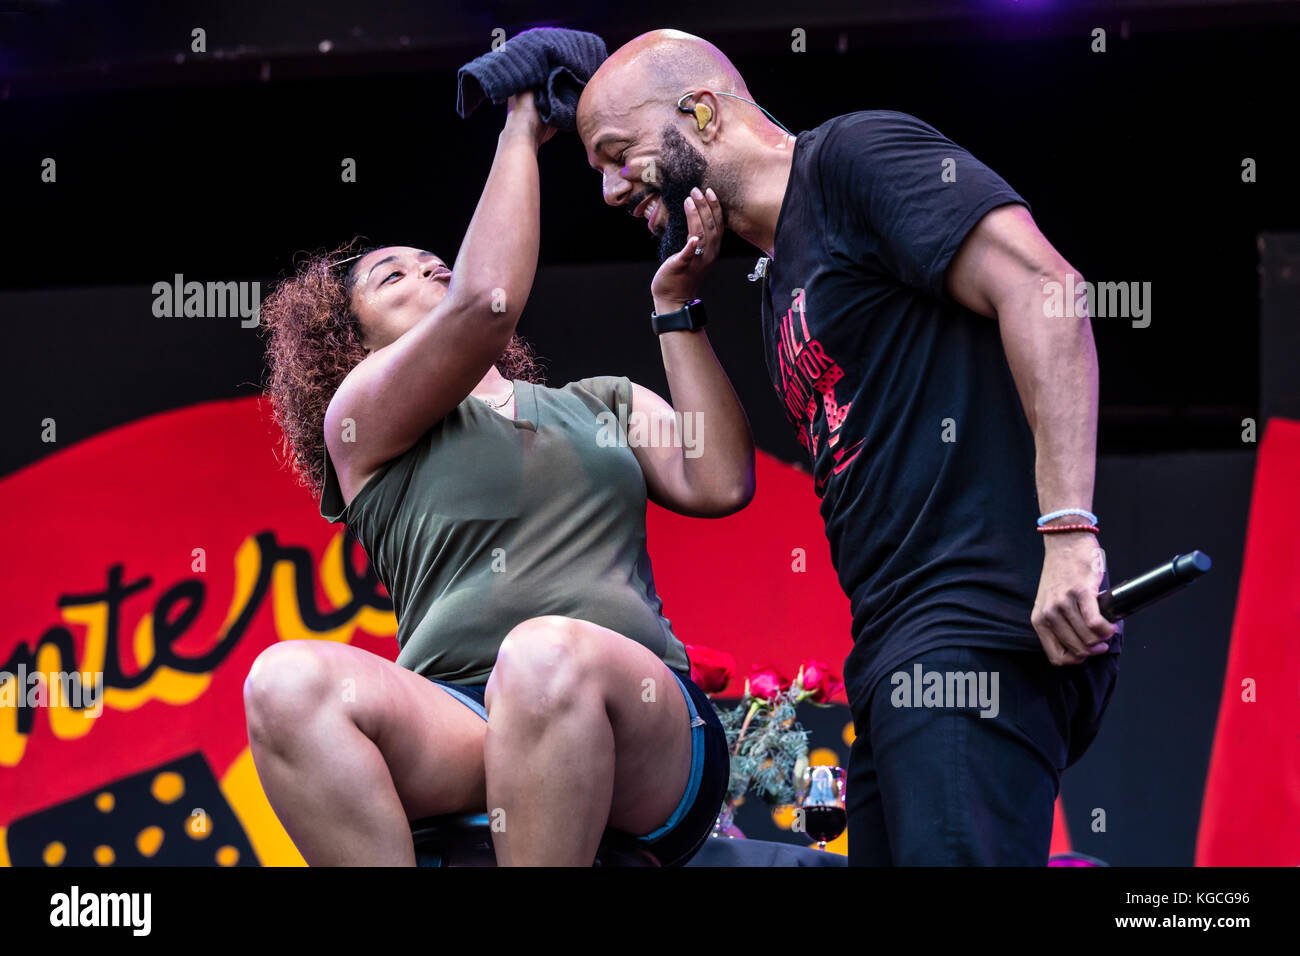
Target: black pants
943	785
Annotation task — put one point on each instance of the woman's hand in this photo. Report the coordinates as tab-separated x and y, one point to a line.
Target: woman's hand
678	278
521	113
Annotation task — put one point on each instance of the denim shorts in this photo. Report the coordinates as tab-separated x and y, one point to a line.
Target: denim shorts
689	825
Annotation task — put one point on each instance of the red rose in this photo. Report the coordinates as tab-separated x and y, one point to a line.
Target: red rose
767	683
710	669
818	680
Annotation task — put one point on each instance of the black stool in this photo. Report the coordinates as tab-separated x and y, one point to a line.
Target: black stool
465	839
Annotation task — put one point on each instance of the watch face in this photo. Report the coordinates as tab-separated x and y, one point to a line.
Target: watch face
689	318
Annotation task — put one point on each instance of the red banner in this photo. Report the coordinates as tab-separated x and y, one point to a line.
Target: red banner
164	555
1251	812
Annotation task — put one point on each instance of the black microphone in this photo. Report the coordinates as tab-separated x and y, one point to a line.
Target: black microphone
1145	589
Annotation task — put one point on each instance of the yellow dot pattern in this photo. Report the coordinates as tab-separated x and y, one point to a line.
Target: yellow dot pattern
168	787
824	757
783	815
148	840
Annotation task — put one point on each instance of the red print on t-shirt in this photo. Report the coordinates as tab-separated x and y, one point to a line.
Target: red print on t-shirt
806	371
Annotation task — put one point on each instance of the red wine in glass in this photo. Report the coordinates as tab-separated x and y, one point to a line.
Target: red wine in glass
824	823
821	801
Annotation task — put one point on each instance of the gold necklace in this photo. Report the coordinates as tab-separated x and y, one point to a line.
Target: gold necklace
502	402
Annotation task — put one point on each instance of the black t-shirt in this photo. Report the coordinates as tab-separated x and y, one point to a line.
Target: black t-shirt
903	398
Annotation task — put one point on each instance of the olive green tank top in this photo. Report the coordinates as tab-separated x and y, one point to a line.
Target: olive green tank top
486	522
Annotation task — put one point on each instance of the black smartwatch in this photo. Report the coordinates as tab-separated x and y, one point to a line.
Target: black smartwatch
686	319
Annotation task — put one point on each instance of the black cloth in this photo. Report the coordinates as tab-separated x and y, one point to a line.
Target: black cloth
921	452
555	63
724	851
947	786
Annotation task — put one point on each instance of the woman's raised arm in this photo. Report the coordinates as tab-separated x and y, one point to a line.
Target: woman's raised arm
399	391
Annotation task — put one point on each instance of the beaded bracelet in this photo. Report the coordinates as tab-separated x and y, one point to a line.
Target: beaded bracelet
1088	515
1059	528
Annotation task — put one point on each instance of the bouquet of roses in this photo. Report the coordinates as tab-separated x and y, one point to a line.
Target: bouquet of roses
769	749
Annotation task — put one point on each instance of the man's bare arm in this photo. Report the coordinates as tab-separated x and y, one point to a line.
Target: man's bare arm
1000	272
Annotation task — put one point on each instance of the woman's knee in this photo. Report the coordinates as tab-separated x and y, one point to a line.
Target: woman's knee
286	684
543	662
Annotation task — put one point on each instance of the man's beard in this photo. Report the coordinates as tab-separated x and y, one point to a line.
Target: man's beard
682	168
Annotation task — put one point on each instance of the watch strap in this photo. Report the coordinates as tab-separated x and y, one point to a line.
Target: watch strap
689	318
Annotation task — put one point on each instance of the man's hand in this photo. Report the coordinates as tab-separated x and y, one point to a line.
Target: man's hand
680	275
1069	623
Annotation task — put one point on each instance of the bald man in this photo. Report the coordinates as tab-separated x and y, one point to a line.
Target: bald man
944	413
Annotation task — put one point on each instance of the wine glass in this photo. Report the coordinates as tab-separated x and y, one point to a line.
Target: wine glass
821	799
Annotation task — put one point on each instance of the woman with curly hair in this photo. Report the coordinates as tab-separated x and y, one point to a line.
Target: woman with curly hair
538	679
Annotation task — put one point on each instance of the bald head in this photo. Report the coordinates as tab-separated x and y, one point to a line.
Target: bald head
658	67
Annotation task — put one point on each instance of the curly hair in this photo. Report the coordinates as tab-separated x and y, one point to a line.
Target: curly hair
314	339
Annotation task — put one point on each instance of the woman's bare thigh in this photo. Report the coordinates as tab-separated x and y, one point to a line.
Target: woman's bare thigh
431	742
646	708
